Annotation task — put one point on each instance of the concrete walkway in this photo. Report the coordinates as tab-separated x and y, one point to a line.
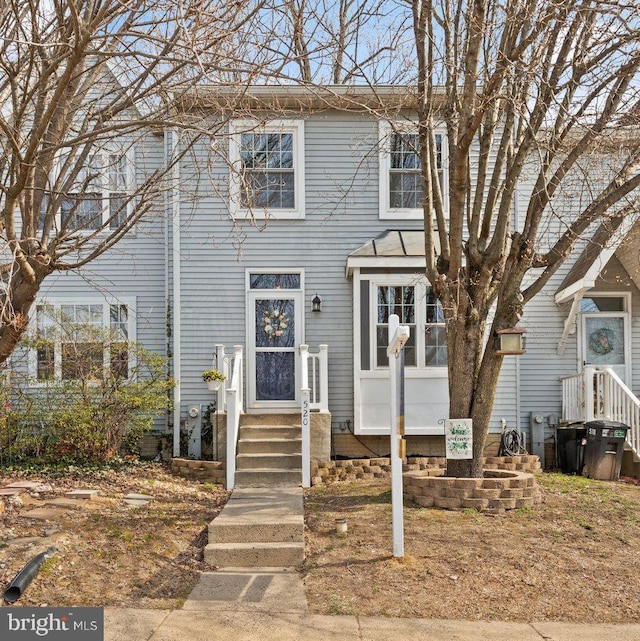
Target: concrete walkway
269	604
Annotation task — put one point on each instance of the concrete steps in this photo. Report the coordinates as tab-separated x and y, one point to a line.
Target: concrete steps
258	527
269	452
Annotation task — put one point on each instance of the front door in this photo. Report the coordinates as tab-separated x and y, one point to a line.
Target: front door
605	337
274	332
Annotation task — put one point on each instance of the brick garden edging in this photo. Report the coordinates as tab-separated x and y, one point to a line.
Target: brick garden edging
498	491
355	469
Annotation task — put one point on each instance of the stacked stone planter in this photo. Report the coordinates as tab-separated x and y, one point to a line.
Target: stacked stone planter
498	491
356	469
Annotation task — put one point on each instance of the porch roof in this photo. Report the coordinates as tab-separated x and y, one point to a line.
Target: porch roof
611	236
620	236
394	248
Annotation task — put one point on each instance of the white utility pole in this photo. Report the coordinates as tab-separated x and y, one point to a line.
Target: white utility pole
398	336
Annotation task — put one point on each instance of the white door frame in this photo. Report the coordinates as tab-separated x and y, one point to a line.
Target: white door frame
252	295
625	370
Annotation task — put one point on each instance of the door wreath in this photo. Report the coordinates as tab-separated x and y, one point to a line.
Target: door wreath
601	341
274	323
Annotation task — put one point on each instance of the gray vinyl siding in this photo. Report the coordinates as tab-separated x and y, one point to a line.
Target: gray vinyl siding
341	213
134	268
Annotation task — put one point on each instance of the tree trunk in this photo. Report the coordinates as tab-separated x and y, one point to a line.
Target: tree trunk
15	313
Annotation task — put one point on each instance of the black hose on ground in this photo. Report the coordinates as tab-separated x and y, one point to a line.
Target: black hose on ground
22	580
511	443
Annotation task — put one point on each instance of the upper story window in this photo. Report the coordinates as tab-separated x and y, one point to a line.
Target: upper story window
82	340
417	307
400	172
98	196
267	169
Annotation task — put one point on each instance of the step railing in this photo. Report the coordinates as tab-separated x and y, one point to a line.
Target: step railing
619	403
314	392
231	399
601	394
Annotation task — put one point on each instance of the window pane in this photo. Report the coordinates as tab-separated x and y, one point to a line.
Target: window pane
274	281
435	346
45	351
119	321
119	360
268	170
117	210
45	363
81	211
435	332
82	361
405	190
275	376
602	304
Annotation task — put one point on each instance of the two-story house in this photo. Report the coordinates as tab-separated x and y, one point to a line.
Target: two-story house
301	224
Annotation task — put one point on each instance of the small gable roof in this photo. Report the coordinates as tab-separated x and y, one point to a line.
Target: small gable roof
394	248
606	240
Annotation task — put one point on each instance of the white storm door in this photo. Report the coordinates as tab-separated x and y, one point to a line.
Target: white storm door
605	342
274	332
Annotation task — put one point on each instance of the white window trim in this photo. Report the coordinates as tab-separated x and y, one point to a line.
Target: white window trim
128	152
295	127
386	212
421	285
57	304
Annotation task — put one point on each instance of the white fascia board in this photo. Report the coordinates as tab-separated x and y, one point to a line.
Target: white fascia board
388	262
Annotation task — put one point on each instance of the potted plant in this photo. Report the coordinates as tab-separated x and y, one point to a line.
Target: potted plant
213	378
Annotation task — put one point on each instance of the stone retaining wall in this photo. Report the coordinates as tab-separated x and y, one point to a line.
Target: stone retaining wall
205	471
355	469
498	491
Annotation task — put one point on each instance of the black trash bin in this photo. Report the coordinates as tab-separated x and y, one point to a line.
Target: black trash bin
570	441
604	448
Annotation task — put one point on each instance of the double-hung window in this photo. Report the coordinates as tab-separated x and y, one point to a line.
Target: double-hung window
267	169
98	195
82	340
417	307
400	177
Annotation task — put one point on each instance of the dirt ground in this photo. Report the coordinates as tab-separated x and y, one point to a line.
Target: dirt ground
574	558
109	552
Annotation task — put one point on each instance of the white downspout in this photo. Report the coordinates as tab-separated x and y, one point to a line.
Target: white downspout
177	306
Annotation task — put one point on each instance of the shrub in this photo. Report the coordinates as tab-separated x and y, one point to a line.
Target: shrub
89	418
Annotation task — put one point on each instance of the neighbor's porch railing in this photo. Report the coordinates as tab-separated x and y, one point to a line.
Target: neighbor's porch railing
231	397
314	392
601	394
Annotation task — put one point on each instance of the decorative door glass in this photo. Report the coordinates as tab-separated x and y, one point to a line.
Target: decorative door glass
604	340
275	349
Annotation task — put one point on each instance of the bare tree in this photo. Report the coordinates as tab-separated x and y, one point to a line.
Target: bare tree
527	92
82	84
328	42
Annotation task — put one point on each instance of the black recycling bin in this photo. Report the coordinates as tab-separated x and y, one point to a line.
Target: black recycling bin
604	448
570	441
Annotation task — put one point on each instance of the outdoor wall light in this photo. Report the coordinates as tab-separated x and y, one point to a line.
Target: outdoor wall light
316	304
510	342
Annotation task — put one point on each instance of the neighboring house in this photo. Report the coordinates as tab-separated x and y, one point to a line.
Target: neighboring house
313	201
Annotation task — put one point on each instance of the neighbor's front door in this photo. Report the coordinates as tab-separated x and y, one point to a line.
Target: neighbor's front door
274	332
605	337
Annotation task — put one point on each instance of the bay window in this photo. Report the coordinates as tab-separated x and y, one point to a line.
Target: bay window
81	340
